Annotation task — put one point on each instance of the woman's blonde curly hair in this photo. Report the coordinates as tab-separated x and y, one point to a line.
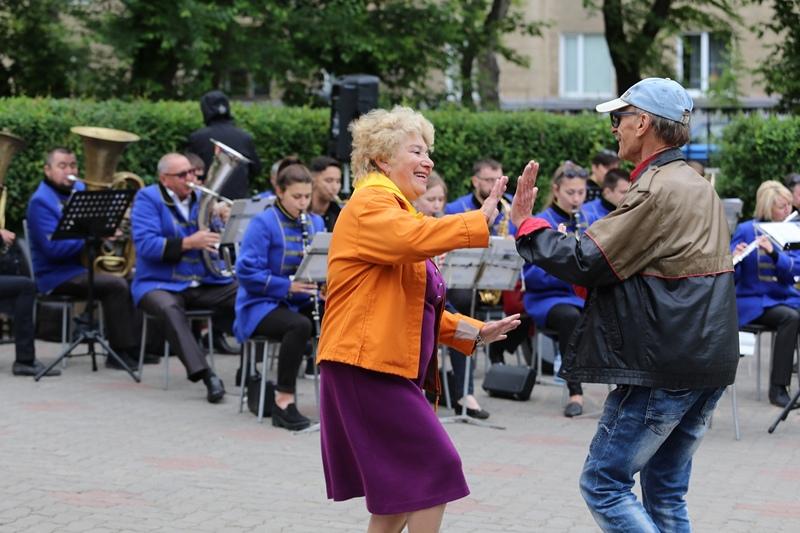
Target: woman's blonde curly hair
766	195
379	134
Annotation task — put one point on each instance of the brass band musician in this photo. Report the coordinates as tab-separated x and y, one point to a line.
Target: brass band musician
552	302
170	273
57	264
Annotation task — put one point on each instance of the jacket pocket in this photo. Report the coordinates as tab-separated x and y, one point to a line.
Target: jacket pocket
609	321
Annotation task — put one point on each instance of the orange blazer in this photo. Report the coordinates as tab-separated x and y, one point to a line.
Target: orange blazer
376	283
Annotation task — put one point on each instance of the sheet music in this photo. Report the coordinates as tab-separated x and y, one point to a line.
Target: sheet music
242	212
785	234
502	265
314	266
461	267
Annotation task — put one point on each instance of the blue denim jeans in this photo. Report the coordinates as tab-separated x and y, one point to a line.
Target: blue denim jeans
654	432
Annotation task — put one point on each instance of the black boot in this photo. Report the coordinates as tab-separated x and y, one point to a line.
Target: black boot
778	395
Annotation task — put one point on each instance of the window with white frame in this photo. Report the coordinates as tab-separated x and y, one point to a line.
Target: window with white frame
586	68
701	58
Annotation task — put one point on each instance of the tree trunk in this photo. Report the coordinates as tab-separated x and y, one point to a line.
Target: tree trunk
489	80
488	69
628	50
467	59
153	71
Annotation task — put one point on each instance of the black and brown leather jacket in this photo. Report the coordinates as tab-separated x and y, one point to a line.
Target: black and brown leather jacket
661	304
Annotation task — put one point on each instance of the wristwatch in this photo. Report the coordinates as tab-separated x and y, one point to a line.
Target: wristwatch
479	341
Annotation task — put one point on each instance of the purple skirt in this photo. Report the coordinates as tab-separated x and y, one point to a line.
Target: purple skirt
382	439
380	436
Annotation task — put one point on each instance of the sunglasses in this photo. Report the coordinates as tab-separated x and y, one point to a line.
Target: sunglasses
182	175
616	117
571	170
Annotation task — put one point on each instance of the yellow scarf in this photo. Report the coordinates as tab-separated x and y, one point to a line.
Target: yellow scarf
376	179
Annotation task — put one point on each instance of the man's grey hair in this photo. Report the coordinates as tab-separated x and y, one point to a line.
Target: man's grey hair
163	163
671	132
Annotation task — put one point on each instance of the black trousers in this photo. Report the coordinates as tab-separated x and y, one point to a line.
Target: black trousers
170	309
293	330
22	292
786	321
513	339
461	299
562	318
118	310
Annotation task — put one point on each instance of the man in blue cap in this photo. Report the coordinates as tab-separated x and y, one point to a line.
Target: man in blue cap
660	314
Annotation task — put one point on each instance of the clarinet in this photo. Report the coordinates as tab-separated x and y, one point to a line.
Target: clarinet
304	224
579	223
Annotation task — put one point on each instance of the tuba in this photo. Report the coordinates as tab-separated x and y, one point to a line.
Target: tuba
102	148
210	212
10	144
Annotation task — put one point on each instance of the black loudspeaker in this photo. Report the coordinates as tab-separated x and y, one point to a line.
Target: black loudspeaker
509	381
351	97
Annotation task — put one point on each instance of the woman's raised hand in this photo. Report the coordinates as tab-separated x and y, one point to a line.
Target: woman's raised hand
525	196
489	207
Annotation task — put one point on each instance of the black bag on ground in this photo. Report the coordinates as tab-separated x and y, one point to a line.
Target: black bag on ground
253	388
510	381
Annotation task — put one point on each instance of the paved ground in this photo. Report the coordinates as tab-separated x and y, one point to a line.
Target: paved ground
92	452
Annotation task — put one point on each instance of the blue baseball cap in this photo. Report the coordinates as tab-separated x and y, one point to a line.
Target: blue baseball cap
660	96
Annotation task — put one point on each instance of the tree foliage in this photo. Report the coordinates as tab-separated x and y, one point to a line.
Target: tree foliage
36	55
635	29
781	67
478	27
182	48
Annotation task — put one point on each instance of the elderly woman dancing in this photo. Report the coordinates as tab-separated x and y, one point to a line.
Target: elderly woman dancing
384	316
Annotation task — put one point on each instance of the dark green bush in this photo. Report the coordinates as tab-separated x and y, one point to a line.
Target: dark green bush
755	149
462	137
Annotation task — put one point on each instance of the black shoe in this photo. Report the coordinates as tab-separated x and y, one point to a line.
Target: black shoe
221	344
778	395
32	369
573	409
289	418
216	389
151	359
112	363
479	414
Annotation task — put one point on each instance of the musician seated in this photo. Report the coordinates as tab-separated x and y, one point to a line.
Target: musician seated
615	186
171	275
17	296
485	172
270	302
57	264
552	302
326	176
765	286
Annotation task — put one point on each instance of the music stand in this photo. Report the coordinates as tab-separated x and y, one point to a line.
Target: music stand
314	268
497	268
91	216
793	404
242	212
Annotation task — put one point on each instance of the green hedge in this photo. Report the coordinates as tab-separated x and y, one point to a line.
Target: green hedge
755	149
461	137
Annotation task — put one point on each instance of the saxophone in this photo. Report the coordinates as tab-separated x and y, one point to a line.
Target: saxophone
491	297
